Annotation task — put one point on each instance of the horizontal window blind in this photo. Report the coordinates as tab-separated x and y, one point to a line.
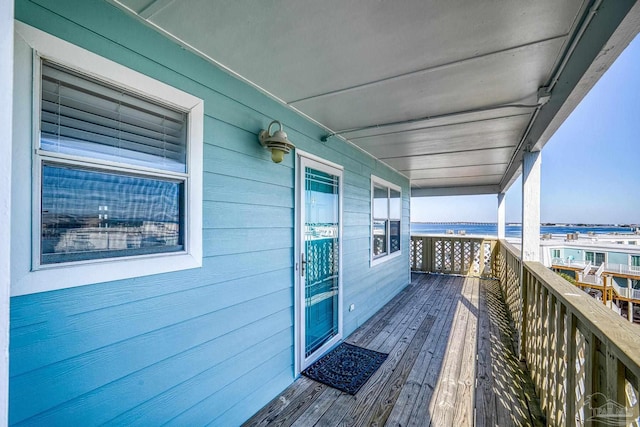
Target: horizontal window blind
83	116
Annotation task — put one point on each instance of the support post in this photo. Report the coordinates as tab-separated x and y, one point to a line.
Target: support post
531	206
630	312
501	215
6	127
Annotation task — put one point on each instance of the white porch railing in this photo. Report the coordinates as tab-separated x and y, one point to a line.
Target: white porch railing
623	292
629	270
568	262
590	279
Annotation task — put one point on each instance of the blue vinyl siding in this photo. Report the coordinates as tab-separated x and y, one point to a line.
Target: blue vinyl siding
618	258
574	254
209	345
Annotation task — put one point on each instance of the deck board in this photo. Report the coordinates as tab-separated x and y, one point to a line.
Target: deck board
451	363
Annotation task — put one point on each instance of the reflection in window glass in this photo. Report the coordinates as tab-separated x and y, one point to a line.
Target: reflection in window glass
322	253
395	204
379	238
89	214
394	236
380	202
588	256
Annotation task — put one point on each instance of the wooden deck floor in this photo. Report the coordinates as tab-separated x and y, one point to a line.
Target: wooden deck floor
451	363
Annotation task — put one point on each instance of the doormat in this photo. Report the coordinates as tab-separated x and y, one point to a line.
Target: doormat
347	367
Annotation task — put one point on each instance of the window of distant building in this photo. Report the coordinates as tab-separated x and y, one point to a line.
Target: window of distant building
555	253
117	169
595	258
386	214
635	260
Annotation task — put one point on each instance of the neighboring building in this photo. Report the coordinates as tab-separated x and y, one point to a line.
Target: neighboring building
606	264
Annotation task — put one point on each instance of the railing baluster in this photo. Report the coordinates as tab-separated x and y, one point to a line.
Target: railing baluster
591	368
524	318
572	356
552	355
615	377
561	369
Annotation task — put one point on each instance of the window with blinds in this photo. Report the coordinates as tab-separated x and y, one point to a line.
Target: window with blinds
82	116
96	201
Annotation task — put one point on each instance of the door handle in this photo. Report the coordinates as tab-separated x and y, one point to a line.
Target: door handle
303	264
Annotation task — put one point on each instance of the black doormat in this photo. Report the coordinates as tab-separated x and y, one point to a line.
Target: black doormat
346	367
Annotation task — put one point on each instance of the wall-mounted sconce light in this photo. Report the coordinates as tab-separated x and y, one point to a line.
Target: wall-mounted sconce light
277	143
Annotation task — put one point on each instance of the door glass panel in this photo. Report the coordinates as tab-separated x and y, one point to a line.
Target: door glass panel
321	240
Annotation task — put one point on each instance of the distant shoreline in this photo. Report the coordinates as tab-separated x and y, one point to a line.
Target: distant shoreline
515	229
544	224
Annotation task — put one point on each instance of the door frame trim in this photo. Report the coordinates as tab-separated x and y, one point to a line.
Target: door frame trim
300	363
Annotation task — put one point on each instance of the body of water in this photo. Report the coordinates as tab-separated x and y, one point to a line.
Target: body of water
511	230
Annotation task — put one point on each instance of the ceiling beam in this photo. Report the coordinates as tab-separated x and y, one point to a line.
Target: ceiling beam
436	126
455	191
454	114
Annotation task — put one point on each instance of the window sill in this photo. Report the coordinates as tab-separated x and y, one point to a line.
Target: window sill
53	278
385	258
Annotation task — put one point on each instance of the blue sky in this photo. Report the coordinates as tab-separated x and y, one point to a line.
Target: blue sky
590	167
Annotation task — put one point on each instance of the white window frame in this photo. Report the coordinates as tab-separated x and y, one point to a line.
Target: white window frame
388	256
28	274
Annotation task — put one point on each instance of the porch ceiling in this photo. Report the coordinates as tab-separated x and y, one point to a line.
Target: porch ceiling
445	92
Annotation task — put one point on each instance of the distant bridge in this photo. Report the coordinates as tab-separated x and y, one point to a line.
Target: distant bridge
456	223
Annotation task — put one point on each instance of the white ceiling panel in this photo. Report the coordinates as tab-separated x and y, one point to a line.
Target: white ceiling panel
471	136
436	134
468	158
456	181
511	77
452	172
446	92
337	44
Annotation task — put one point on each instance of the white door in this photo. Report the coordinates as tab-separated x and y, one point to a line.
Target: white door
319	292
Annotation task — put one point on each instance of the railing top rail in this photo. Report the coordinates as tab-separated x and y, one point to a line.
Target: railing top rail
512	249
604	323
456	236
